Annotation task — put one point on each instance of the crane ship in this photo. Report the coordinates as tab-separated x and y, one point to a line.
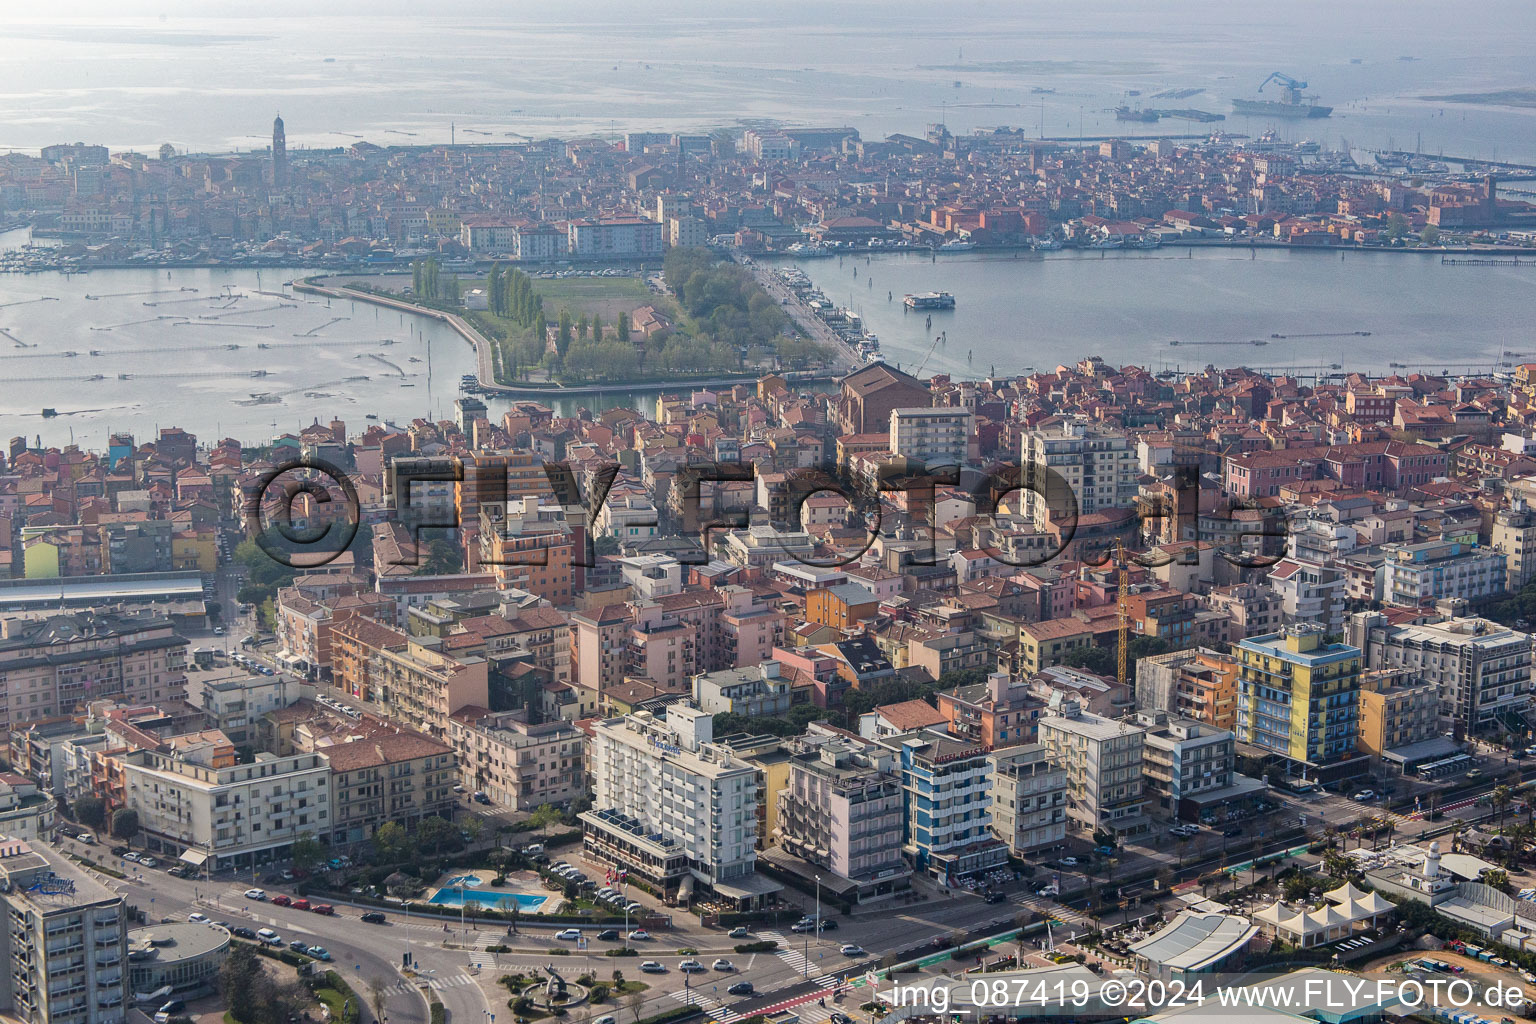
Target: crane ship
1291	104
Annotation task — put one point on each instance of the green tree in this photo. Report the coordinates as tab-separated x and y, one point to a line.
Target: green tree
544	816
473	826
444	558
307	852
563	333
391	843
125	823
1430	235
91	811
581	328
1397	227
621	327
432	832
240	977
597	328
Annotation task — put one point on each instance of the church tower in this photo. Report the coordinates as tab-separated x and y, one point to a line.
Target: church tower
279	154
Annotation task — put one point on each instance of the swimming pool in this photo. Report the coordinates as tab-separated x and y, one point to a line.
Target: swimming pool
451	895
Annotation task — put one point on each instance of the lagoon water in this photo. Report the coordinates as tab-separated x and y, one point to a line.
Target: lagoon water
1019	313
209	78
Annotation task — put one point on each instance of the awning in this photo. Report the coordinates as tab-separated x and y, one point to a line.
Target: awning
747	887
194	857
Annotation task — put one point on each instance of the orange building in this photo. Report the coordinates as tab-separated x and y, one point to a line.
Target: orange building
841	607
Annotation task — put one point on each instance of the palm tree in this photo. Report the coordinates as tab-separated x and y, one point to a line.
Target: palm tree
1501	799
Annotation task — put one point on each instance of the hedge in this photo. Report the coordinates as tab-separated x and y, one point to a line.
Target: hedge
761	946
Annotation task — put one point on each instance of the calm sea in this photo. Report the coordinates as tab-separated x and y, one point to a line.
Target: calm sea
137	74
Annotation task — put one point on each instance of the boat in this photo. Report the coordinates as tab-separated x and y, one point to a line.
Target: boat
1141	116
371	416
1292	106
48	413
1046	244
956	245
805	251
1106	243
929	300
1148	241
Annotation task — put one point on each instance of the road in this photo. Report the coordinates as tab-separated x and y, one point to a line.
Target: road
798	311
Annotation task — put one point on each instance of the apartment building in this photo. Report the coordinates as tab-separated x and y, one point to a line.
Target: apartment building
1199	684
1246	609
517	765
1029	799
600	647
1299	697
674	807
1074	459
1102	757
1043	644
938	436
997	713
52	666
1310	592
762	690
65	945
1184	763
1421	574
383	773
1513	535
615	236
1481	669
411	678
529	546
946	805
841	811
1397	710
235	816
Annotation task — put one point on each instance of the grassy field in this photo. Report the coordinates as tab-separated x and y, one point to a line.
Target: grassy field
605	296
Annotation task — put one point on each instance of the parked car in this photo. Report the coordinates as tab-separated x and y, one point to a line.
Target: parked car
739	932
606	1018
320	953
299	946
239	931
639	935
270	937
723	965
148	861
300	904
652	967
608	935
130	856
829	925
255	894
691	967
840	1018
852	950
120	851
741	988
994	897
198	918
86	838
1365	795
281	900
323	908
373	917
568	934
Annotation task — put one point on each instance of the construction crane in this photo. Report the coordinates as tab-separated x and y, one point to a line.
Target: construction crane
1125	611
1283	79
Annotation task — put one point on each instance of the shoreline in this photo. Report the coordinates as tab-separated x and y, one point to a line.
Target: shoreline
484	364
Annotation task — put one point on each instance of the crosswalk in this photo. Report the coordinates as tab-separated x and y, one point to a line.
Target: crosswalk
1046	908
798	961
481	959
713	1008
442	984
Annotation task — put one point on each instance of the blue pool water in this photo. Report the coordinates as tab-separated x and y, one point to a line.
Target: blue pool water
450	895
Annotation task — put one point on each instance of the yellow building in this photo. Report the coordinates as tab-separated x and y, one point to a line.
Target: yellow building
1299	697
41	559
1396	711
1043	644
195	551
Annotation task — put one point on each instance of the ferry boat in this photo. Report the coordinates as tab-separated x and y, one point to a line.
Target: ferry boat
956	245
805	251
929	300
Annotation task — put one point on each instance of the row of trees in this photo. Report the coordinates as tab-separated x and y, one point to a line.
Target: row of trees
729	307
428	283
509	293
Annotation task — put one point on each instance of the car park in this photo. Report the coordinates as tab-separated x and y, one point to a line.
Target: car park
741	988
